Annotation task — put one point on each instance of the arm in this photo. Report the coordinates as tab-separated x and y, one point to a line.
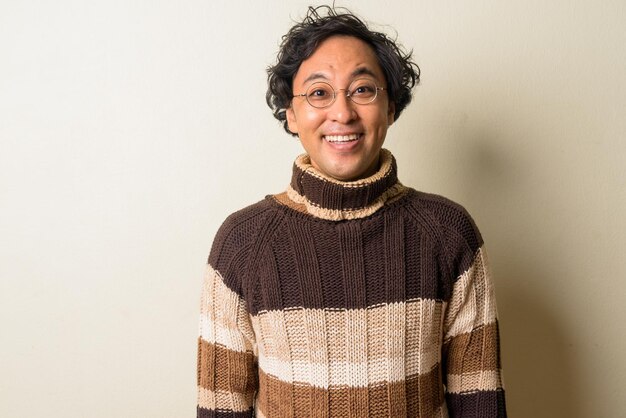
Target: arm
227	374
471	350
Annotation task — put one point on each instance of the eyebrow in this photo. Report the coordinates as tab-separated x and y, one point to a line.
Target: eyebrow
359	71
363	71
315	76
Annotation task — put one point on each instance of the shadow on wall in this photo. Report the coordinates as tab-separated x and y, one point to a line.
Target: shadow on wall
540	372
489	176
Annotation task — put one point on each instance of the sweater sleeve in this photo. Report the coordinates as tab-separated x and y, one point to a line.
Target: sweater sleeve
471	350
227	375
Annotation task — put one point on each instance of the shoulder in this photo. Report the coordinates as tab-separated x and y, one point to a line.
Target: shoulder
240	222
237	234
449	223
446	214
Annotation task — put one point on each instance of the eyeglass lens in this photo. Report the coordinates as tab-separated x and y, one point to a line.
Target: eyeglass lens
321	94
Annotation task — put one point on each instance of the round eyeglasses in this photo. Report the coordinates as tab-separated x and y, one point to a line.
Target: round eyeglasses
321	94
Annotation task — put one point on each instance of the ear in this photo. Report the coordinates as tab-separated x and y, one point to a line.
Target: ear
292	123
391	112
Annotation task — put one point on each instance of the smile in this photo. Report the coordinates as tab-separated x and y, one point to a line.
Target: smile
341	138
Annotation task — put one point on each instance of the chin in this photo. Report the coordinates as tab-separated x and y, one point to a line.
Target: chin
345	167
347	175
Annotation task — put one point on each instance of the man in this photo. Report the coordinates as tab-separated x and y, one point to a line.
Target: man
348	295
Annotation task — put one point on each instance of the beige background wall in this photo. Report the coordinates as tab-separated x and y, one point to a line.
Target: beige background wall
129	130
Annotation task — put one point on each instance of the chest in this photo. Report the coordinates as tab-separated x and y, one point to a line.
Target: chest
345	265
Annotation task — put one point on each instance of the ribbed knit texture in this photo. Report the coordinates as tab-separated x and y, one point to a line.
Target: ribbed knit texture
349	299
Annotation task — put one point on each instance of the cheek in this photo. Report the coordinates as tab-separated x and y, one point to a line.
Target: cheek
380	120
302	120
312	117
308	121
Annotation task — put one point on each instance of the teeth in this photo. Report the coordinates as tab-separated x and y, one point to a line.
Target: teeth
341	138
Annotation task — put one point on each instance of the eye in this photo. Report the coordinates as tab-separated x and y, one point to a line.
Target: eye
318	93
363	89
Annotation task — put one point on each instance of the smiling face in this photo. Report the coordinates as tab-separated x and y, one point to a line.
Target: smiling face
344	139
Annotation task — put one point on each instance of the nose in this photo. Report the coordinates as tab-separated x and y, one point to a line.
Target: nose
342	110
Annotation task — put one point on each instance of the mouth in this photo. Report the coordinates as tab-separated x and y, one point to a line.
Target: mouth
340	139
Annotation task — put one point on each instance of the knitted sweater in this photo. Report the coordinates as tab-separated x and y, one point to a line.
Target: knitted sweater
349	299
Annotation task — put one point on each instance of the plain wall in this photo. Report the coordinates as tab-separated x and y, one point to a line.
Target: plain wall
130	130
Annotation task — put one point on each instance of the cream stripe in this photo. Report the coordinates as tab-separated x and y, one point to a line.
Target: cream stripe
235	402
472	382
356	336
473	299
316	327
226	337
396	342
291	362
344	373
423	318
224	319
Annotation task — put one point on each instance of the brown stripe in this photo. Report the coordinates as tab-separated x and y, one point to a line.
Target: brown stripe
447	222
329	193
234	239
394	257
492	404
423	393
279	259
307	264
221	369
474	351
352	270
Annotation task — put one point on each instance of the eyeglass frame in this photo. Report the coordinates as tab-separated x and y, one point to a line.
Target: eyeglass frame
346	90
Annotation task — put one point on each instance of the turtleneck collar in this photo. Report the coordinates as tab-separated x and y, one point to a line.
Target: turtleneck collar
331	199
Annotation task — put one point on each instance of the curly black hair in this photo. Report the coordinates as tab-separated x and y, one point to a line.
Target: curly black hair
401	73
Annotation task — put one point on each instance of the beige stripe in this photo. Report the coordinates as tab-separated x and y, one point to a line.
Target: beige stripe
475	351
473	301
420	394
284	199
223	316
356	336
392	192
361	348
303	162
225	370
315	323
472	382
235	402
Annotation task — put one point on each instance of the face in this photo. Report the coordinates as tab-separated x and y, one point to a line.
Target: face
344	139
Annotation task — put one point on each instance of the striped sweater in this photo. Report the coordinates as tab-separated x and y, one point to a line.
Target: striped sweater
349	299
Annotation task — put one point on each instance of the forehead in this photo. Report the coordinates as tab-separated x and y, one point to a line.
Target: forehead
339	59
